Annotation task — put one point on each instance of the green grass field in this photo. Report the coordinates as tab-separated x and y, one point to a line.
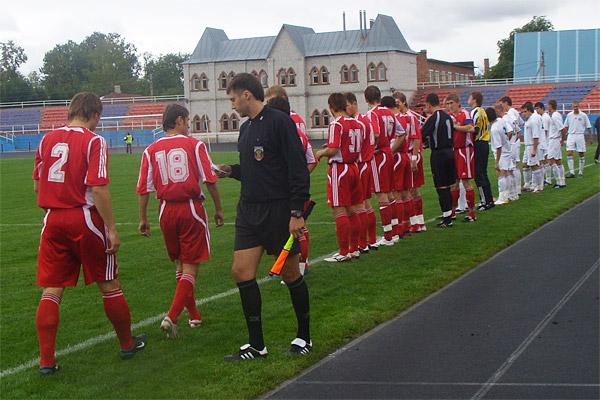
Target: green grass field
346	300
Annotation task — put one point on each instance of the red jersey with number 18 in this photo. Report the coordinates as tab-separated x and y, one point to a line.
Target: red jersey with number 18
174	167
67	162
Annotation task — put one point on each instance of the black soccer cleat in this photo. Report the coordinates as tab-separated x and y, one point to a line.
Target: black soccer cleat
47	371
444	225
247	352
139	343
299	347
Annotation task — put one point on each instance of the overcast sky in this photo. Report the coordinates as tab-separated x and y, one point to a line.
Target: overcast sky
459	30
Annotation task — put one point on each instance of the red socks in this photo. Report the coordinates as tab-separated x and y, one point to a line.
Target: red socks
455	195
470	197
191	305
372	224
364	227
385	213
304	241
184	294
354	221
342	230
117	311
46	321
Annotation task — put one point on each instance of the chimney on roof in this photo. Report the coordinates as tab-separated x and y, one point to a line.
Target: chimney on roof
344	22
486	65
365	21
118	89
360	20
371	22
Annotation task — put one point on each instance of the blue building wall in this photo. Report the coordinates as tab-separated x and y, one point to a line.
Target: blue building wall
573	52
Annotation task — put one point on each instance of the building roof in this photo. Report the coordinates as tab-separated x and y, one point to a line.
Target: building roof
384	35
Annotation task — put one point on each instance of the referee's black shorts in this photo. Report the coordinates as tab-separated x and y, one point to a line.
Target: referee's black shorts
443	167
264	224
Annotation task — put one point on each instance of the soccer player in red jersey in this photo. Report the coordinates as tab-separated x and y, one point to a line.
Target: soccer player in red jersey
402	173
382	162
174	167
414	206
343	188
463	155
367	238
70	180
311	160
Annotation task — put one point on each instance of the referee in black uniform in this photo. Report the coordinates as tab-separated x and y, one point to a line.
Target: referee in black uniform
438	131
275	185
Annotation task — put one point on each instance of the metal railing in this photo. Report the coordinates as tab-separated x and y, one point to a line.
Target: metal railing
511	81
124	100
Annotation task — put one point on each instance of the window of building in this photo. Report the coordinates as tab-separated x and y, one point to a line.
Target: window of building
224	123
372	72
223	81
195	82
234	122
291	77
430	75
263	78
437	76
314	76
381	72
282	77
324	76
231	75
353	73
203	82
325	118
205	124
196	124
316	119
345	74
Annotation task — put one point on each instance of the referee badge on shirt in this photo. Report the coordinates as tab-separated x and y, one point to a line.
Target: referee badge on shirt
259	153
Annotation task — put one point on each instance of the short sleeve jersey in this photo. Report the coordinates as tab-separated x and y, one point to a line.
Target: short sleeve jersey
556	126
546	122
368	140
174	167
300	125
513	117
414	131
533	129
68	161
345	134
403	121
577	123
481	124
499	138
386	125
462	139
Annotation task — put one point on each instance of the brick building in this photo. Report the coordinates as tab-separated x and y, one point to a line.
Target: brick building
309	65
443	72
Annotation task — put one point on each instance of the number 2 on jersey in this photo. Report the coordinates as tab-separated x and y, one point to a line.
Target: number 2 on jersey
173	165
55	172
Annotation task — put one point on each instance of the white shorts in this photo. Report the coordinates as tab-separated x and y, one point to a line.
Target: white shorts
554	149
515	151
506	162
527	159
576	142
542	152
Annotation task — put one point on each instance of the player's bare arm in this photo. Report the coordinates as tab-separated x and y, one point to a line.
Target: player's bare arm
213	189
222	170
144	227
36	186
103	202
328	152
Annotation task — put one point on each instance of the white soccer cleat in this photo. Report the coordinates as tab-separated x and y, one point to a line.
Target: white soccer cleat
170	328
337	257
384	242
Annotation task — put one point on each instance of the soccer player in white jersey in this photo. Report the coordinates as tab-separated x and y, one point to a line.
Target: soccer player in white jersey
546	120
533	131
575	125
556	139
502	153
513	117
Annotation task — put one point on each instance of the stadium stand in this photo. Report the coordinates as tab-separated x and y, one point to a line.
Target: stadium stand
592	100
54	117
21	119
490	96
521	94
144	115
565	95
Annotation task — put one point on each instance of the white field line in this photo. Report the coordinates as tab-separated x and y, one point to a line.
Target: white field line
141	324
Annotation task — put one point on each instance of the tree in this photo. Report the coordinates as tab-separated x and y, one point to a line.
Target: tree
506	47
97	64
165	73
13	85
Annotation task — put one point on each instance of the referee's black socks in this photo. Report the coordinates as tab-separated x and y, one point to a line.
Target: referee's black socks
251	304
445	197
300	301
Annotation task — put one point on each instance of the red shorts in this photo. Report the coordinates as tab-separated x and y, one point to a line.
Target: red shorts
72	238
418	178
366	179
382	168
402	172
185	229
465	162
343	189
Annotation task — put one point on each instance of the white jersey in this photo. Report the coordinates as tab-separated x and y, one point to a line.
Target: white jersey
512	116
556	126
577	123
499	138
533	129
546	121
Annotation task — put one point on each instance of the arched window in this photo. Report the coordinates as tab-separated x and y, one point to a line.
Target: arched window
291	77
316	119
234	122
325	117
324	75
231	76
344	74
353	73
381	72
372	72
196	124
282	77
195	82
263	78
203	82
223	81
224	123
314	76
254	73
205	124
